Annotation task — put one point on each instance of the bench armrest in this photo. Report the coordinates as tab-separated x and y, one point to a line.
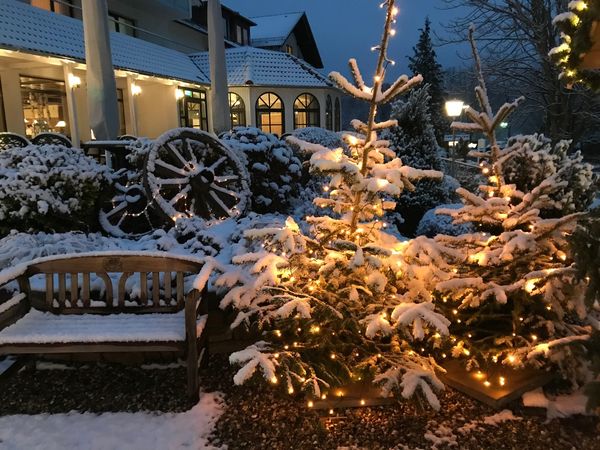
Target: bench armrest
193	305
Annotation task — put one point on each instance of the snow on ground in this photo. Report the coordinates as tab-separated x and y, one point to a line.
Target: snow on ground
106	431
560	406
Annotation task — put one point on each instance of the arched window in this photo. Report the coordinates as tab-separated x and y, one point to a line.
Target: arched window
237	110
338	115
306	111
270	115
328	113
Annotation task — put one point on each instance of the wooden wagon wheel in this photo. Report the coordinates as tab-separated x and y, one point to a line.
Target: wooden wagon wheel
189	173
128	213
48	138
12	140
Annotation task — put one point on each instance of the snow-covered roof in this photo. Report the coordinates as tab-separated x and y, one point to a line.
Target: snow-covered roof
30	29
260	67
273	29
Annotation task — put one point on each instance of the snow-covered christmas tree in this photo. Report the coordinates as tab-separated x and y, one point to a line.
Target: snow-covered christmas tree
332	304
512	290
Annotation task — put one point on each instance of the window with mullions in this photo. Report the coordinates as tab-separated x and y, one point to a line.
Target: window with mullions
328	113
237	110
270	116
193	110
63	7
44	103
306	111
121	24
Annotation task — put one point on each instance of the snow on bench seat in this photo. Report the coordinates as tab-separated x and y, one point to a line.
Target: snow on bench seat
38	327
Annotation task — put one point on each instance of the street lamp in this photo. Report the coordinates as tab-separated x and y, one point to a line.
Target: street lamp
454	108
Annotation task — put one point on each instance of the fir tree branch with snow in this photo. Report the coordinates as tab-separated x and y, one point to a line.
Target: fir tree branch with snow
512	290
332	305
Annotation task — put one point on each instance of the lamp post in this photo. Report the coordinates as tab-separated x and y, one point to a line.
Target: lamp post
454	109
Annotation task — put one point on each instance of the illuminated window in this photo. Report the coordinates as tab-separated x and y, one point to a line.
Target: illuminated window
63	7
237	110
338	115
328	113
306	111
270	116
44	105
289	49
193	110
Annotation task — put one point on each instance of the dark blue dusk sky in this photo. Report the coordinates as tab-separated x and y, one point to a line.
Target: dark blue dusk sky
349	28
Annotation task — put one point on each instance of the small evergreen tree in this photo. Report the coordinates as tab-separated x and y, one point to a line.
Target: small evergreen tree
413	140
511	287
424	63
332	304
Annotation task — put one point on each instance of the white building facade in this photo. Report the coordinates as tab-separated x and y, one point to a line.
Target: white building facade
162	74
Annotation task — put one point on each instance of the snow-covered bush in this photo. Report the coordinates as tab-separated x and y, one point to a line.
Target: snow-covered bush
305	142
433	224
274	170
49	188
533	158
316	135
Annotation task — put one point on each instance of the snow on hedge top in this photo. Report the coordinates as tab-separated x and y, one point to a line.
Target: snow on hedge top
256	66
24	27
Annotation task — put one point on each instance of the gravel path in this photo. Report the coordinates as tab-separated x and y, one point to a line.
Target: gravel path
259	418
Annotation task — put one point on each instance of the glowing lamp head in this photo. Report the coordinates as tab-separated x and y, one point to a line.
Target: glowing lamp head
135	89
454	108
74	81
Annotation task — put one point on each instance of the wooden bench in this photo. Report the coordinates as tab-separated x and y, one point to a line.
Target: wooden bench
78	311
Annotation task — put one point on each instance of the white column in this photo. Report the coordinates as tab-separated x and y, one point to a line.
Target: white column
13	104
218	70
71	104
131	103
101	85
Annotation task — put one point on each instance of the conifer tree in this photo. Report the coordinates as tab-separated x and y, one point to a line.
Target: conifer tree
332	304
424	63
414	141
511	288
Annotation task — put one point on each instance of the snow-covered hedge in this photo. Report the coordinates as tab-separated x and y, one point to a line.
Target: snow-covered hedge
49	188
433	224
274	170
316	135
535	159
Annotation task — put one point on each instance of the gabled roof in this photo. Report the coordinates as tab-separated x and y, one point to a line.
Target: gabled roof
34	30
273	31
260	67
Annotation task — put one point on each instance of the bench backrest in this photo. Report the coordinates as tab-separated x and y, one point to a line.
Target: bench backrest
105	283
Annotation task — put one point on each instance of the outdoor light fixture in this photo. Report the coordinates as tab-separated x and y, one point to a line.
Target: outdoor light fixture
60	124
135	89
454	108
179	94
74	81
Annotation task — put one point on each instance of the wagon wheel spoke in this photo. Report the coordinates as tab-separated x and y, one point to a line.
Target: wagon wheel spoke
172	181
181	194
217	163
224	208
171	167
224	191
120	207
169	146
226	178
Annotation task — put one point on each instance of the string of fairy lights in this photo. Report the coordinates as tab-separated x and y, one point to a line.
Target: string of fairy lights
576	26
